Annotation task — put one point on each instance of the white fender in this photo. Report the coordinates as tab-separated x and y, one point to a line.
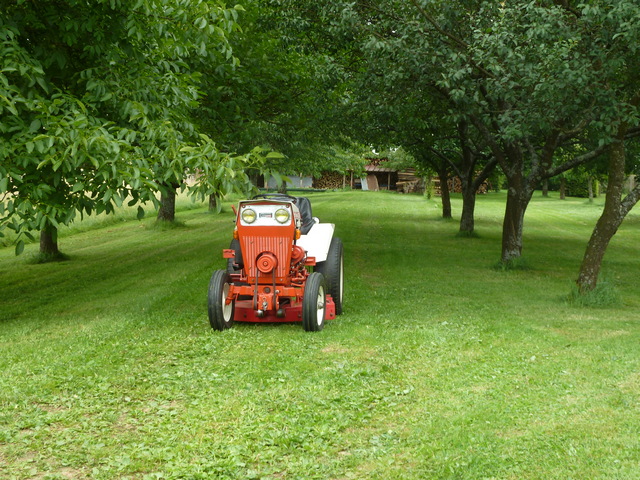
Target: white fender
317	240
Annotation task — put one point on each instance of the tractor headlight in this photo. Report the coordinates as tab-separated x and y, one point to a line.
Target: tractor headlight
282	215
249	215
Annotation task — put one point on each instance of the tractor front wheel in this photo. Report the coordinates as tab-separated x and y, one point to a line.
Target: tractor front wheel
220	314
314	302
333	271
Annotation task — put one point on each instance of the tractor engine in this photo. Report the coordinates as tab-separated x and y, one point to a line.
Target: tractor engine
274	269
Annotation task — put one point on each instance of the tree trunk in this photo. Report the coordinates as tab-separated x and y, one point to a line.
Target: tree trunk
608	223
470	186
49	241
467	219
518	198
443	175
213	203
545	187
167	210
590	188
563	184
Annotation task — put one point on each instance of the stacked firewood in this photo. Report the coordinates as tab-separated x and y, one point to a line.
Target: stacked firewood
408	182
413	186
455	186
329	181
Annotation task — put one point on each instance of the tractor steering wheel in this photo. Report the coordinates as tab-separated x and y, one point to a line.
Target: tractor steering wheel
276	196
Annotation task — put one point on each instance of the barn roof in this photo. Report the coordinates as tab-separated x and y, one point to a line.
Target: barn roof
376	168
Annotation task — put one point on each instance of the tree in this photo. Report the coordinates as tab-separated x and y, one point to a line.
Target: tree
386	98
276	97
509	78
526	76
470	164
618	27
95	101
616	207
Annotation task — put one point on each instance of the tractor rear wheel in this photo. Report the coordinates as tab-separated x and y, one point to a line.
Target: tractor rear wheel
333	271
314	302
220	314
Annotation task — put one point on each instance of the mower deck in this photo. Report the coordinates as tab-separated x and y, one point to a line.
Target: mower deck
244	312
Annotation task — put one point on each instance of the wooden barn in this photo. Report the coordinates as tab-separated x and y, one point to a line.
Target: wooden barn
379	176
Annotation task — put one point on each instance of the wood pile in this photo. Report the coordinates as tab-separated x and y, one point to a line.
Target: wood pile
408	182
455	186
329	181
412	186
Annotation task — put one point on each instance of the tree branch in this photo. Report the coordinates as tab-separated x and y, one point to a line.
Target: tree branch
484	173
440	30
630	200
579	160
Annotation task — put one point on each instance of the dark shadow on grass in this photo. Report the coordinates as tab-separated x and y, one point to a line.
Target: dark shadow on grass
164	225
255	326
471	235
515	264
41	258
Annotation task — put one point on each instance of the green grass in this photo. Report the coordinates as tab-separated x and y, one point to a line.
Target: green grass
441	366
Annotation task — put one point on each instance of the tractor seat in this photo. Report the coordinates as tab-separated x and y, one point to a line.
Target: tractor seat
304	205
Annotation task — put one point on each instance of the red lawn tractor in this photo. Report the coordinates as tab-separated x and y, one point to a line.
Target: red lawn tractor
283	265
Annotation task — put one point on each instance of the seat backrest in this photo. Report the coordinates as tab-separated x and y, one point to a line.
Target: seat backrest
304	205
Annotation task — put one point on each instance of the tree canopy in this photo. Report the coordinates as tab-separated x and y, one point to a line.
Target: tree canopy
96	101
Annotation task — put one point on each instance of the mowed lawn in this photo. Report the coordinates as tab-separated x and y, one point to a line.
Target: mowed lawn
441	366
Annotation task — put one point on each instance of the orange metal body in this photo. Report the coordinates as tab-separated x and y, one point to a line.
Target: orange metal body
274	271
244	312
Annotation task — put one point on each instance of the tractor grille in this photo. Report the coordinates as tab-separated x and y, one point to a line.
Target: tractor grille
255	245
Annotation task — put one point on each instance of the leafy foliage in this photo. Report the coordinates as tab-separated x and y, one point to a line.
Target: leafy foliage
221	174
95	101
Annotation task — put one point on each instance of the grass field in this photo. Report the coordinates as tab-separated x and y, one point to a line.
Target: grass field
440	367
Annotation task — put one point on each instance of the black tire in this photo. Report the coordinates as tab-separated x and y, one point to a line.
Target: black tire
220	315
333	271
231	262
314	303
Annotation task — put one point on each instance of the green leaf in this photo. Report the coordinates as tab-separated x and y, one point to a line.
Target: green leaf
140	214
277	177
4	184
35	125
19	247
